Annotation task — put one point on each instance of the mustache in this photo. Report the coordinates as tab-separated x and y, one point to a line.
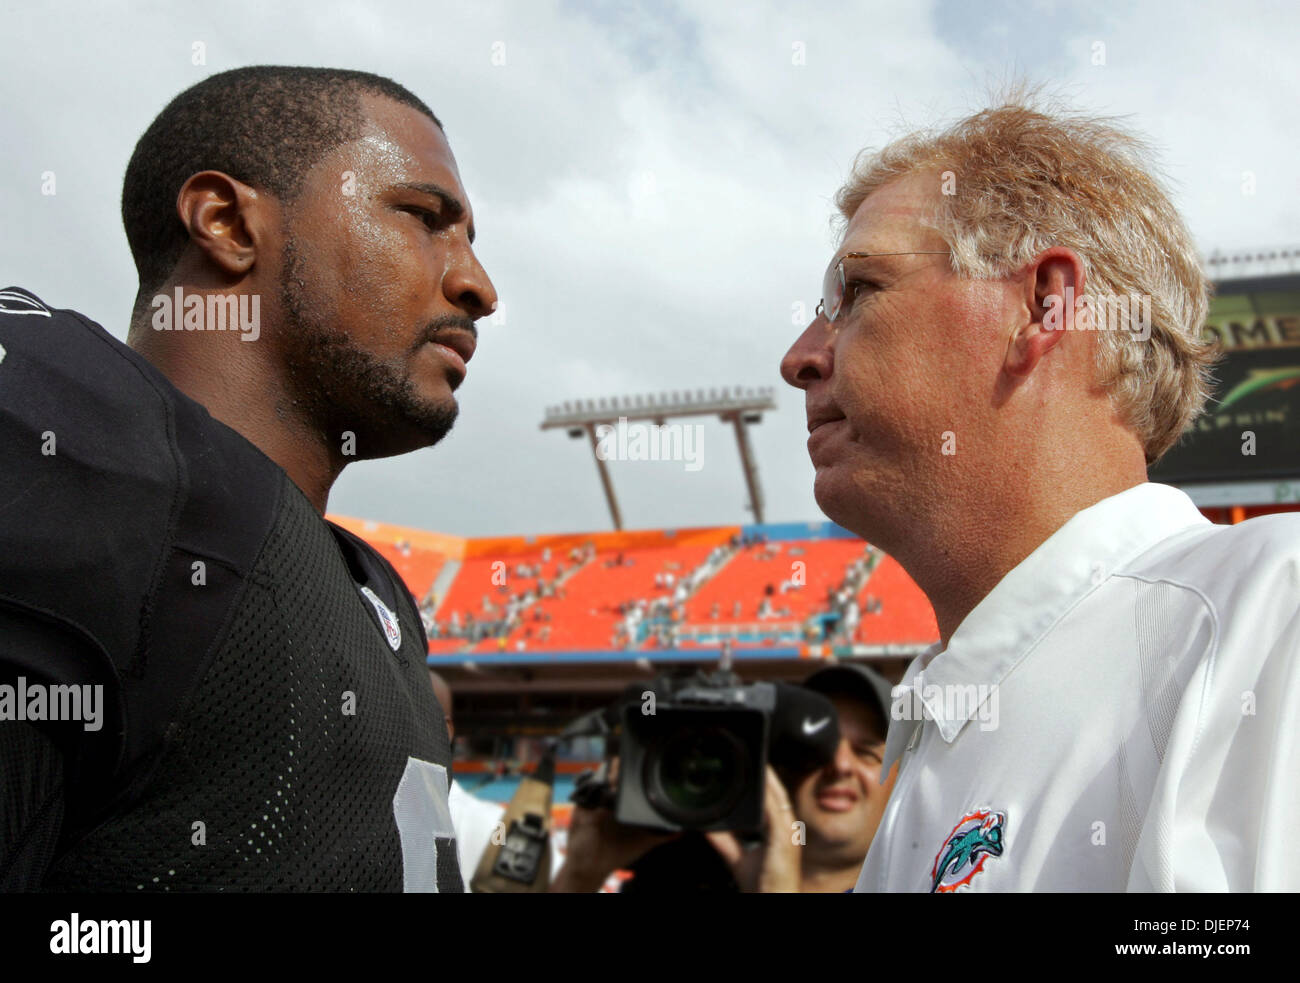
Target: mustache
449	321
446	322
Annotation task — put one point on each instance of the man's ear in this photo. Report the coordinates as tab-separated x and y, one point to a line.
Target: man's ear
1054	285
225	219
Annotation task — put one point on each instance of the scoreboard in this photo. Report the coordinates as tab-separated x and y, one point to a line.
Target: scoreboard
1250	431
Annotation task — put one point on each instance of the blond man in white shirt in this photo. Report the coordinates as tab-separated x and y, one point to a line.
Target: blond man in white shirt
1113	701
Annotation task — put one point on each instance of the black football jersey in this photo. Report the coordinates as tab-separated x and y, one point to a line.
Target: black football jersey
268	723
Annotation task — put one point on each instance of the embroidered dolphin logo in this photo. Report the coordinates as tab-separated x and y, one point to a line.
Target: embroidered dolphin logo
976	837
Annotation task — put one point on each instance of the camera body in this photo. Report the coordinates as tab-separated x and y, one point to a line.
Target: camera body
693	753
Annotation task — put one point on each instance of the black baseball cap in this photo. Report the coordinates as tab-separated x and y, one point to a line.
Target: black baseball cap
855	680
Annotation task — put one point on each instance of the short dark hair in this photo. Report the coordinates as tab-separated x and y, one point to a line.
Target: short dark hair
265	125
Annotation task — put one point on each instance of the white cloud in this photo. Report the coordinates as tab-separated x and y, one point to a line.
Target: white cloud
651	185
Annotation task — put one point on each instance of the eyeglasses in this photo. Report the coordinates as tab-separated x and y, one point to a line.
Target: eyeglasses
833	286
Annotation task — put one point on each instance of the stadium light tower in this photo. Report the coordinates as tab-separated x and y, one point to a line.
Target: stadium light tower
1243	264
738	406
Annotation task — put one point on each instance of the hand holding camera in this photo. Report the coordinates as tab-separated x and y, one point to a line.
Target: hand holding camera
772	865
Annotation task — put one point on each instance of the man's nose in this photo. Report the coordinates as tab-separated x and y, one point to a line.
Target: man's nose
844	759
810	358
467	285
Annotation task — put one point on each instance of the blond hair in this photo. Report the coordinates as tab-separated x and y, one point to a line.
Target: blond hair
1026	180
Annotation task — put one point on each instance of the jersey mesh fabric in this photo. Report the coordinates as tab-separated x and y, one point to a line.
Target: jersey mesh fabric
293	792
29	834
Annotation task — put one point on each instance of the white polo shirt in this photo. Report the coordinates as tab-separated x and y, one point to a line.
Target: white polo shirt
1122	711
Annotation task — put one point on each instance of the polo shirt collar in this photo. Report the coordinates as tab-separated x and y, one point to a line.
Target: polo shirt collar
1002	629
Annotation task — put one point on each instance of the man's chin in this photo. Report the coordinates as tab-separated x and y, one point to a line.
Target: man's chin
427	434
436	420
415	429
432	416
855	497
833	495
837	829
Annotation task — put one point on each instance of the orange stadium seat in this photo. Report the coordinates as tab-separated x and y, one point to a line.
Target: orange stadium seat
749	573
417	567
905	615
493	577
587	614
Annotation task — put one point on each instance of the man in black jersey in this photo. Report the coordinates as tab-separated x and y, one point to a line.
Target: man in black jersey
308	294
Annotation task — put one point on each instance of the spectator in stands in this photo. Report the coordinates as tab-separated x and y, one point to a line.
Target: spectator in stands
830	622
851	616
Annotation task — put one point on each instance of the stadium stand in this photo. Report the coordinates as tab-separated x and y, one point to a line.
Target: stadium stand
765	587
903	617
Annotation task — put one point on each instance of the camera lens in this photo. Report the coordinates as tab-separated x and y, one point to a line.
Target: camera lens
698	775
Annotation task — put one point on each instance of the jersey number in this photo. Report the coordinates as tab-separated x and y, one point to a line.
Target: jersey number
423	818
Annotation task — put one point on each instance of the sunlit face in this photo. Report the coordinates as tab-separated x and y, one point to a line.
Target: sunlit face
841	803
380	285
911	358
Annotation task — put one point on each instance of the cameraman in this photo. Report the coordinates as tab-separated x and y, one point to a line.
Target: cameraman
818	825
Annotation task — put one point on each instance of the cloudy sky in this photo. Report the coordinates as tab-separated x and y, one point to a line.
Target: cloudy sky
652	186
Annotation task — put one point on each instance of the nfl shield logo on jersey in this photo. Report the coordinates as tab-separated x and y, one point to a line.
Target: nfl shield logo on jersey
977	836
392	630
